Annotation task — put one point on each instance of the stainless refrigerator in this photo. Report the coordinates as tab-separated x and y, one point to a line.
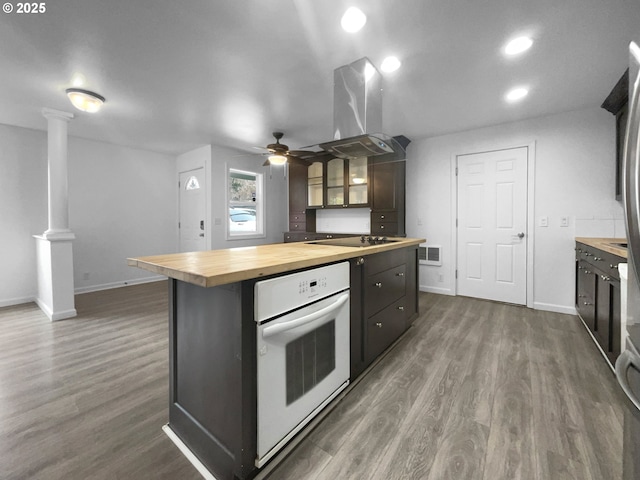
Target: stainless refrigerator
628	363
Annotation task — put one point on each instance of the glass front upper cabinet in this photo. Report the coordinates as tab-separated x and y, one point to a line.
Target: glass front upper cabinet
357	186
335	182
315	186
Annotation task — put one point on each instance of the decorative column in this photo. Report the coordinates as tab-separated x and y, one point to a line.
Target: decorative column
54	246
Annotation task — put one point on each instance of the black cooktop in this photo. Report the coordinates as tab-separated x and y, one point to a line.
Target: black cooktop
357	242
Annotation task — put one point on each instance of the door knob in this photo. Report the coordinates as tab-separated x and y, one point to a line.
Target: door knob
521	235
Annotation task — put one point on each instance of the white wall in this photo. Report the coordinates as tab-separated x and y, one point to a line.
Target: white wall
216	160
121	204
574	177
23	210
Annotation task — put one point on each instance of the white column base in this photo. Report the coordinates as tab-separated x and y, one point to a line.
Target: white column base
55	275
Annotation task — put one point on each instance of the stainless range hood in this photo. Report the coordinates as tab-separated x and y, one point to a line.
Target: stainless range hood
357	115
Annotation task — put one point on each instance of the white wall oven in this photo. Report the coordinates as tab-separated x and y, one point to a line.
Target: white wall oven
303	350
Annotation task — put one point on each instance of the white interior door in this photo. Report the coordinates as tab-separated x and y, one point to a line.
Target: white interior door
192	200
492	225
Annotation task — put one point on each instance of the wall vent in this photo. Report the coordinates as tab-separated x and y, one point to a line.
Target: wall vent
430	254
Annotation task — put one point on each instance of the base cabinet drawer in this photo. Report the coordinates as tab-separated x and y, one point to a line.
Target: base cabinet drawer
384	327
384	288
598	296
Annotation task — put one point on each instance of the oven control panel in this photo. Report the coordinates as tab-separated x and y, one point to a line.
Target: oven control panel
276	296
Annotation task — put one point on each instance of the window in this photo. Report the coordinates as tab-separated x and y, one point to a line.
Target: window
246	204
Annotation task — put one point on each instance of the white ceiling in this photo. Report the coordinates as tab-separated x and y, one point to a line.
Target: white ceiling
178	75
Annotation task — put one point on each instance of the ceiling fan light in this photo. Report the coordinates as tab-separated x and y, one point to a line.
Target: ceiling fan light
277	159
85	100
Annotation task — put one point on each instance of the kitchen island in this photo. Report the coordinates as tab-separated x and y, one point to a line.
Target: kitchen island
212	333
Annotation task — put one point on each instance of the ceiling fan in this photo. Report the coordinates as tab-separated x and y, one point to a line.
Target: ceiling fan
279	153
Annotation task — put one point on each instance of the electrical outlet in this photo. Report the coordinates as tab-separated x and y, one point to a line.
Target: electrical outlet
543	222
419	221
564	221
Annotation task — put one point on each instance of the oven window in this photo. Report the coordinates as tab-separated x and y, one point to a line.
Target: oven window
310	359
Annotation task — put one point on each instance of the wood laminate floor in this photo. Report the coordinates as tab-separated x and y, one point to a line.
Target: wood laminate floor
474	390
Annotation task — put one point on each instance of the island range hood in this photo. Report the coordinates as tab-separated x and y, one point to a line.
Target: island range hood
357	115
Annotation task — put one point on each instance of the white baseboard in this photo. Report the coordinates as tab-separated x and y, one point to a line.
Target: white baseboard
9	302
55	316
550	307
124	283
438	290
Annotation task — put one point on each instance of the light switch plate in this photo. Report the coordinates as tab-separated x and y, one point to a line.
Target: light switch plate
543	222
564	221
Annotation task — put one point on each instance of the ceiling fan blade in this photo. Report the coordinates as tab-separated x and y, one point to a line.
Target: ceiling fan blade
304	153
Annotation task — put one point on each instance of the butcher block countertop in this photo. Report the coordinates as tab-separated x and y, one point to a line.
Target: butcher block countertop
606	244
219	267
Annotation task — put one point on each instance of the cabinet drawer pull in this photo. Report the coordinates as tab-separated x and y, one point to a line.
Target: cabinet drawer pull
401	308
588	272
605	278
587	254
360	261
597	259
381	217
381	227
378	284
613	266
587	303
400	274
379	324
581	296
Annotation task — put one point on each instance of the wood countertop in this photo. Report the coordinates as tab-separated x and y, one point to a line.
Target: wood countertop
606	244
219	267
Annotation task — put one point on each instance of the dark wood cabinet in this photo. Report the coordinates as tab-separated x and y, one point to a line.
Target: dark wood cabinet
388	303
301	219
388	197
376	182
598	297
617	103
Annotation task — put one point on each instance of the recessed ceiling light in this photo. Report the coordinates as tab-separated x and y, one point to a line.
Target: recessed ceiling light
518	45
353	20
516	94
390	64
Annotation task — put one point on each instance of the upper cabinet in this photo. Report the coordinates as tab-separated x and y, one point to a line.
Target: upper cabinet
335	182
338	182
617	104
315	184
358	179
388	197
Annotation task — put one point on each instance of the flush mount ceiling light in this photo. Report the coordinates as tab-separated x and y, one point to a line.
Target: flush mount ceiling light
518	45
277	159
353	20
516	94
85	100
390	64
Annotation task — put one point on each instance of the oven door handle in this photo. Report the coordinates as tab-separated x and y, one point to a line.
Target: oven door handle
626	360
271	330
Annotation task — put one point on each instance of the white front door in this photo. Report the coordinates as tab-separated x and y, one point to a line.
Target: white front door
492	225
192	199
